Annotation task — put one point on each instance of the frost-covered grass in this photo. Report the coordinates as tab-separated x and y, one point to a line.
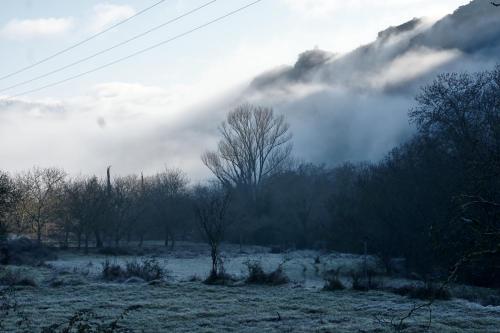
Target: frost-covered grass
179	305
193	307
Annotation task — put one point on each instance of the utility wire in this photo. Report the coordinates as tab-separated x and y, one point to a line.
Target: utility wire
81	42
109	48
220	18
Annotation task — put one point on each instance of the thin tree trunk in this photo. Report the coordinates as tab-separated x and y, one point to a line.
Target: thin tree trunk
86	244
39	233
241	241
98	240
213	254
79	240
172	241
167	232
66	239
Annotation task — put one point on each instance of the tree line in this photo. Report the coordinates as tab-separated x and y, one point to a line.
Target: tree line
432	200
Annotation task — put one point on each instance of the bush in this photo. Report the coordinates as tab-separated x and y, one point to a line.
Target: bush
16	278
332	284
256	275
364	284
23	251
112	272
429	291
219	277
194	278
332	281
148	270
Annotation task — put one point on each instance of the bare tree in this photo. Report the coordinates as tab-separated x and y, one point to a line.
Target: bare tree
255	144
211	205
165	191
39	197
8	199
125	206
86	199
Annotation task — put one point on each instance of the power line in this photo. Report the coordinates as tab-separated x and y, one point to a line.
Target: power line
81	42
220	18
109	48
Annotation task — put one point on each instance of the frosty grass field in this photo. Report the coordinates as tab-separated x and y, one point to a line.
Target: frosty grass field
184	304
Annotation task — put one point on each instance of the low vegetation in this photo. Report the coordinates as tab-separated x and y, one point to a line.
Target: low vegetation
365	282
426	291
147	270
16	277
257	275
332	280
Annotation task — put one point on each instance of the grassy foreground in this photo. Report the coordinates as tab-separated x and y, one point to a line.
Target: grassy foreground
195	307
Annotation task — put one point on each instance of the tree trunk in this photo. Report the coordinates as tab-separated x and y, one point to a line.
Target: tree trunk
214	256
172	241
241	242
39	234
98	240
86	244
66	239
167	233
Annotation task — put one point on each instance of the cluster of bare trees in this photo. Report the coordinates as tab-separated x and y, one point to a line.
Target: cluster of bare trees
50	206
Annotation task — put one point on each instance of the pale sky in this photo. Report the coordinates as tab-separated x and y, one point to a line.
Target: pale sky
163	84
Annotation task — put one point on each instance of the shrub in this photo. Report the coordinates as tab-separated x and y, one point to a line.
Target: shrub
332	281
364	284
194	278
16	278
148	270
256	274
219	277
23	251
332	284
429	291
483	296
112	272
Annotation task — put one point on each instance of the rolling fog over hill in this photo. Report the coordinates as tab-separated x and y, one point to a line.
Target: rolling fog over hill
354	106
341	107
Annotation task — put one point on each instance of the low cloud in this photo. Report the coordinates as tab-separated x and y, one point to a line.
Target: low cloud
106	14
353	107
36	28
314	9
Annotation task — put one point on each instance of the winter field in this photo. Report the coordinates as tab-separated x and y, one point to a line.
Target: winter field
181	302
